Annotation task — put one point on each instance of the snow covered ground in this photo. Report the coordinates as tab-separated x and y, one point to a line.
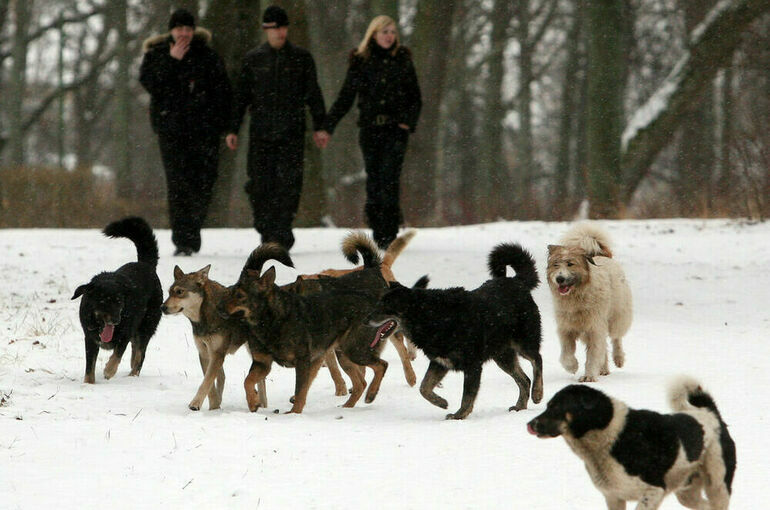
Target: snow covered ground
701	292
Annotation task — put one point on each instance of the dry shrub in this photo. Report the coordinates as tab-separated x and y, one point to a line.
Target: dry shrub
53	197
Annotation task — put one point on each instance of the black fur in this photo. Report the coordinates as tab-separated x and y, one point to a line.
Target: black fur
460	330
647	446
125	302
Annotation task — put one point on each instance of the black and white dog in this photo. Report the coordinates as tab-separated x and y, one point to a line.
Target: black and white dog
638	455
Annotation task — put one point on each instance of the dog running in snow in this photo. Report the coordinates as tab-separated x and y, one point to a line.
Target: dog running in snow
591	297
460	330
122	306
196	296
297	328
640	455
405	349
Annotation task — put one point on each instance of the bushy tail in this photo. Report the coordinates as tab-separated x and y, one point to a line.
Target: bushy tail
509	254
396	247
590	237
140	233
685	393
263	253
358	242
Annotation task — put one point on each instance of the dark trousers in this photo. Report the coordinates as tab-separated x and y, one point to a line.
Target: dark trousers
275	182
383	149
191	170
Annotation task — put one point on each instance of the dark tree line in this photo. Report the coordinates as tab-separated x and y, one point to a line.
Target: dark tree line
531	108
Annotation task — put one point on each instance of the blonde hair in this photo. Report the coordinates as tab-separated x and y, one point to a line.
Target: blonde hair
377	24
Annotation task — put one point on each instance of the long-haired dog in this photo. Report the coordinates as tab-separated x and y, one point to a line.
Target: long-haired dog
591	297
196	296
122	306
405	349
639	455
460	330
297	328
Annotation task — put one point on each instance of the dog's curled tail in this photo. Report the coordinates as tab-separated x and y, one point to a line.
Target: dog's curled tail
590	237
140	233
358	242
509	254
265	252
396	247
685	394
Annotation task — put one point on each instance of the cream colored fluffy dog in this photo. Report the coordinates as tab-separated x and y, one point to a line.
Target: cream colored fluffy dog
591	297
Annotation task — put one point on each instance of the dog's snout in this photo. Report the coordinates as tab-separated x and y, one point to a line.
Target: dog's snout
164	308
560	279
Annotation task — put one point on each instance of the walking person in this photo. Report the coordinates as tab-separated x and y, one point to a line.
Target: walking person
190	103
382	75
277	81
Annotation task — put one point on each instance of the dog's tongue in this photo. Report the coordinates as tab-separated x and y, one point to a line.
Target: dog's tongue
564	289
106	334
531	429
380	332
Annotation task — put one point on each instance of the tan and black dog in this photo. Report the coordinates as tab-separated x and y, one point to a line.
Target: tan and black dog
196	297
407	352
297	325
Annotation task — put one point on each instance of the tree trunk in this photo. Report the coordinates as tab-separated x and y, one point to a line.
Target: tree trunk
493	170
563	199
386	7
654	123
606	69
234	27
18	83
429	44
125	178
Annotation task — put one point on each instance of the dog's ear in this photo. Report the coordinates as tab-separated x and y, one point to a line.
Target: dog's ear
590	259
267	280
81	290
178	273
552	248
204	272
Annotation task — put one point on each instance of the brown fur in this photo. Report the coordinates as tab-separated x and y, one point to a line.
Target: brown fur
196	297
405	349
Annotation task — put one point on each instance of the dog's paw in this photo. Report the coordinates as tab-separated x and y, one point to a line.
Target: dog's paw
456	416
194	406
570	363
588	378
89	379
517	407
619	358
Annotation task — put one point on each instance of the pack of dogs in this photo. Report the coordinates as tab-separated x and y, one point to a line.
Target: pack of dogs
344	318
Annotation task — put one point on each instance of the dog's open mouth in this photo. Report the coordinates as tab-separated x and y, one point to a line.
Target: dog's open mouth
565	289
383	332
107	332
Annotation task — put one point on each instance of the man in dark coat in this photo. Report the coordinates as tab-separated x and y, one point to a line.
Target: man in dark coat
277	81
190	101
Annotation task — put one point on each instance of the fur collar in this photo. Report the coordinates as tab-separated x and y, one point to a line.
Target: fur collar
201	35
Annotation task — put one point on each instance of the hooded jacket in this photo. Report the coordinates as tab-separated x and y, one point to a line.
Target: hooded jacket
192	95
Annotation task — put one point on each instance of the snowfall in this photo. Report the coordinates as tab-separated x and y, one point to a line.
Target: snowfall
701	294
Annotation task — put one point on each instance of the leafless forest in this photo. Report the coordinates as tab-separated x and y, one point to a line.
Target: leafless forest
634	109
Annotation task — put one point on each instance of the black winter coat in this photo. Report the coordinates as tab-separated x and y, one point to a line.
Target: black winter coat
276	85
386	86
192	95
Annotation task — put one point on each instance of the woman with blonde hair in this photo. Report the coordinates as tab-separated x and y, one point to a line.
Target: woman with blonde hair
382	75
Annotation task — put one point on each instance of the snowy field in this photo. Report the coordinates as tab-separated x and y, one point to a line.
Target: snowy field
702	307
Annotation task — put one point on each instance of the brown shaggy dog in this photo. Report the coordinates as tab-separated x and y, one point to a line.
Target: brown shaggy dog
591	297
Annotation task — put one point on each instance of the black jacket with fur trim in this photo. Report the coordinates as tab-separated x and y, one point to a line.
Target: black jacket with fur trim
276	85
386	86
192	95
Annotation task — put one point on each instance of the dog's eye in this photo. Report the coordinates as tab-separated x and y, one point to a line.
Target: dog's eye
178	292
570	264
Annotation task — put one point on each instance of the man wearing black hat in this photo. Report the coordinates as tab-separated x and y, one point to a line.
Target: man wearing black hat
277	81
190	102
